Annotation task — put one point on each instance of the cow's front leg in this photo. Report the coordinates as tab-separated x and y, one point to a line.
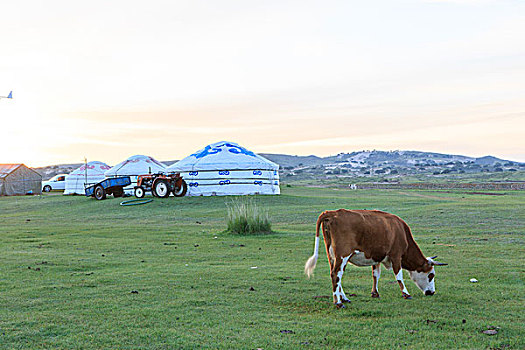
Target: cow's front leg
376	273
338	269
398	272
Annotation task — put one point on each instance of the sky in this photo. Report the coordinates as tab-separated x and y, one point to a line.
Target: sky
105	80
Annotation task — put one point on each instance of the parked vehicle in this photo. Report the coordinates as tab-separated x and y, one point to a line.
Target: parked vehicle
161	185
112	185
57	182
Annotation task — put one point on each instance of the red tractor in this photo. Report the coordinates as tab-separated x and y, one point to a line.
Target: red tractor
161	185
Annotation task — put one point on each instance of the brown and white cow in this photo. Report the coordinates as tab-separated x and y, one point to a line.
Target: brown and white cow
369	238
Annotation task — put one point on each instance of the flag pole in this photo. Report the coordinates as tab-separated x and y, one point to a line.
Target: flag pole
85	172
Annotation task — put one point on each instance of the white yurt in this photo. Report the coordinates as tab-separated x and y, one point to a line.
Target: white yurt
87	174
135	166
225	168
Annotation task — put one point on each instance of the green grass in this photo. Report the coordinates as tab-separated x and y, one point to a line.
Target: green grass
197	285
424	177
246	217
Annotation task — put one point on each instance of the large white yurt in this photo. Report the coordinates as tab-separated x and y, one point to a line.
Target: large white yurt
87	174
135	166
225	168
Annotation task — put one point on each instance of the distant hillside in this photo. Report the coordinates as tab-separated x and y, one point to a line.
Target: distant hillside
393	166
374	158
49	171
294	161
363	164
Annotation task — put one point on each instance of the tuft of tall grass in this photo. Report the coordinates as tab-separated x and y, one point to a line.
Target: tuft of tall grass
246	217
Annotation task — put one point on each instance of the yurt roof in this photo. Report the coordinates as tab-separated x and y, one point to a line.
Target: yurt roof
94	167
223	155
135	165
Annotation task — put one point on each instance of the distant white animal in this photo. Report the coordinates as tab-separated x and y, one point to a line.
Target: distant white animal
353	187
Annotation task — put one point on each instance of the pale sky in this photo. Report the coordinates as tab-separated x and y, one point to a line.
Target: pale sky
110	79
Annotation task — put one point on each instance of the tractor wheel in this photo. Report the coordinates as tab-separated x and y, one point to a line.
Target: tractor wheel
100	193
161	188
139	192
181	191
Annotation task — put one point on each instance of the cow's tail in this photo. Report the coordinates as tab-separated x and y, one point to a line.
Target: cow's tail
312	261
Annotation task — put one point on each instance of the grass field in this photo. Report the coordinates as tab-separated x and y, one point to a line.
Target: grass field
76	273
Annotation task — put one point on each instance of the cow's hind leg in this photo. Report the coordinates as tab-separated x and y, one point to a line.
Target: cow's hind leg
328	246
398	272
337	271
376	273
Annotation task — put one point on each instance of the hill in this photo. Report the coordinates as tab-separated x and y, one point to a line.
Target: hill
366	164
374	158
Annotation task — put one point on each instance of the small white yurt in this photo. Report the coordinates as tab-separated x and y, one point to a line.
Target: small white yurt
87	174
225	168
135	166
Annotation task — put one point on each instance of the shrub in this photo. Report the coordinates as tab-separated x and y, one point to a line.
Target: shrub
245	217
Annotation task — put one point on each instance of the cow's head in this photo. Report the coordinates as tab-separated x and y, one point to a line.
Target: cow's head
425	279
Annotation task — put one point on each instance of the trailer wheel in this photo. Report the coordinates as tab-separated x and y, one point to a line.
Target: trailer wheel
100	193
181	191
161	188
139	192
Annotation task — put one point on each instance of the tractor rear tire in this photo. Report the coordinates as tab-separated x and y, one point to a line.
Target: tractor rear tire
161	188
100	193
182	190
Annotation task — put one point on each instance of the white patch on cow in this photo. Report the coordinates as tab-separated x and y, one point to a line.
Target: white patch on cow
422	281
331	252
358	259
377	273
399	278
343	295
339	293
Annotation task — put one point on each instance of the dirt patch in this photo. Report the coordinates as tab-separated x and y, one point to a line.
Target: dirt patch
425	196
486	193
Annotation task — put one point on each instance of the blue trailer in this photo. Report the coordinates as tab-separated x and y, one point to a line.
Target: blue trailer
112	185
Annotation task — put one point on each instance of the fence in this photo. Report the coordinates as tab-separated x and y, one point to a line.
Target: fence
497	186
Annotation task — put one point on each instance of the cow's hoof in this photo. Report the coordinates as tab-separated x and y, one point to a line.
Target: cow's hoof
407	296
346	300
375	295
340	306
